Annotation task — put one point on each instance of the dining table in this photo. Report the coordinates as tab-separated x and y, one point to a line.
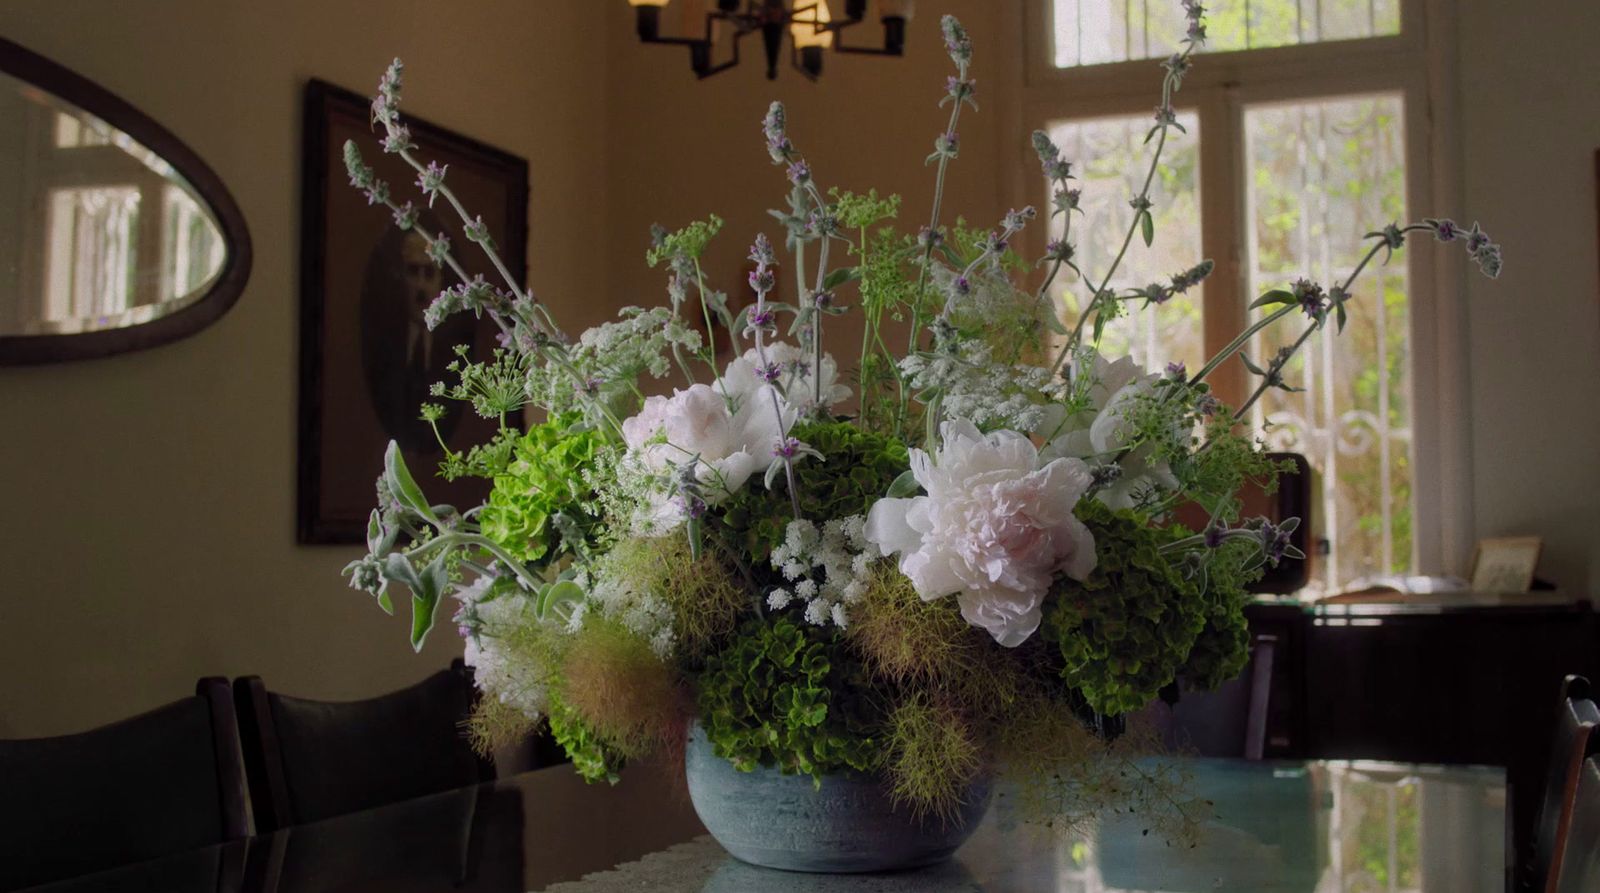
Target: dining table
1266	826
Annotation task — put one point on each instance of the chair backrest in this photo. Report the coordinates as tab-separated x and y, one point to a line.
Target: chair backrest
1228	722
308	760
163	782
1578	870
1575	739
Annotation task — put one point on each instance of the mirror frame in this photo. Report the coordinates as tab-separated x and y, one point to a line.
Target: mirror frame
26	65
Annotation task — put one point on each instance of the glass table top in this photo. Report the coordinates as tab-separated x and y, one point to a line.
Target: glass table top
1316	827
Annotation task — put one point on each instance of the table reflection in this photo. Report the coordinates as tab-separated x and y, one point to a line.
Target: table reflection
1303	827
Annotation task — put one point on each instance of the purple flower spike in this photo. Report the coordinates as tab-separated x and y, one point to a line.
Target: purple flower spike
956	41
431	179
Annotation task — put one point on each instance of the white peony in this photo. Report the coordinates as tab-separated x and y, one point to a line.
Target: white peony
994	528
743	378
696	424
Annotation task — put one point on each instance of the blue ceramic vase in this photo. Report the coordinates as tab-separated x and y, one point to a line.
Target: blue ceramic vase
847	825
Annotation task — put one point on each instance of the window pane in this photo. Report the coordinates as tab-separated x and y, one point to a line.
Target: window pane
1092	32
1110	159
1321	175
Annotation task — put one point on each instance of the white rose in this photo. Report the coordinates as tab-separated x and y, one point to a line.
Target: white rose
695	423
993	530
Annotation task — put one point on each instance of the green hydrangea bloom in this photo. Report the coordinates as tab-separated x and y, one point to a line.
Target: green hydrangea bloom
543	478
1223	646
1126	631
781	694
858	470
591	756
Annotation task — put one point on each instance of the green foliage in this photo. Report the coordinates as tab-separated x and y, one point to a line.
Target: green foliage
624	693
1214	476
857	469
495	389
1126	631
543	479
688	242
933	756
703	596
592	757
861	211
781	694
1223	646
482	460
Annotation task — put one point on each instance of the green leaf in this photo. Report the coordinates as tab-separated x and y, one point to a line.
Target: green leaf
1276	296
905	485
1340	315
1054	324
374	531
1245	358
425	597
696	534
402	485
385	602
840	276
1147	222
397	569
421	620
558	593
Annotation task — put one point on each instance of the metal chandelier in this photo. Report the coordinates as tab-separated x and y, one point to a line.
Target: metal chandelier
808	23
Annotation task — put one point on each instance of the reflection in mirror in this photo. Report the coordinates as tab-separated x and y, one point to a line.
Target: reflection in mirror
106	234
114	235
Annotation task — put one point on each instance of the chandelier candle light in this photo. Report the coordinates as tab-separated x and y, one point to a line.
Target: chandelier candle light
853	598
809	24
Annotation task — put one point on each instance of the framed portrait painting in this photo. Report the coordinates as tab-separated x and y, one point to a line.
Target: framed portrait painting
367	361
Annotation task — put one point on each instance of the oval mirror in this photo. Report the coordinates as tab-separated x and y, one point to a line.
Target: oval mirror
114	235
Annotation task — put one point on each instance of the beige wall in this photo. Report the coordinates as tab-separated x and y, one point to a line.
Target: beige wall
681	149
1530	125
149	534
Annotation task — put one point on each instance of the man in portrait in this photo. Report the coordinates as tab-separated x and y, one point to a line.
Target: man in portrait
400	358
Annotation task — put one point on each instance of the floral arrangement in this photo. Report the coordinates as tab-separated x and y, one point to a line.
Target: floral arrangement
954	557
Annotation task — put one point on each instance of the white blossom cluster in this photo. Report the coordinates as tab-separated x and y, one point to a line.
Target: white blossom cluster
610	357
640	612
827	567
512	679
977	388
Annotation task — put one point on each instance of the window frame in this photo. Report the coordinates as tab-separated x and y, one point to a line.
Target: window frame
1418	64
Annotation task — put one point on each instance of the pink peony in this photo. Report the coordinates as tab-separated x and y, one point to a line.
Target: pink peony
994	528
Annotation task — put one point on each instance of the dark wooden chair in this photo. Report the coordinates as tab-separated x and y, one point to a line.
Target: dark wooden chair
1575	739
1578	870
157	784
309	760
1228	722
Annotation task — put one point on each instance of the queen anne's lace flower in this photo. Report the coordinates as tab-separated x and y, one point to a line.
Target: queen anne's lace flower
993	530
512	679
974	387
